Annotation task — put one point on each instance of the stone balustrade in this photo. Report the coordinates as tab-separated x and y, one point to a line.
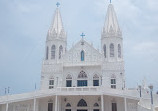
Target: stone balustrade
70	91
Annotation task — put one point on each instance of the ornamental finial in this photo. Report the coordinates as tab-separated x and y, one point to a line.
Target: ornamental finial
57	4
82	35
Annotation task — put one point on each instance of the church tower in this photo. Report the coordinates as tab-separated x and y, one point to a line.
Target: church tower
56	46
112	51
56	42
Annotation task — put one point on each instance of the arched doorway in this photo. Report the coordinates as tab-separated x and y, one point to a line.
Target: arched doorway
82	105
82	79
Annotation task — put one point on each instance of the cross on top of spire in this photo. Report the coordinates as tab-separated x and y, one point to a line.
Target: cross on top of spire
57	4
110	1
82	35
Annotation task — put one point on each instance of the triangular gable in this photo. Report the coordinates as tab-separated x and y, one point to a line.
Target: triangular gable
90	53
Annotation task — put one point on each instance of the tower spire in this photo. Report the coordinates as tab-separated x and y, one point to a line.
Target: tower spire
56	29
111	23
57	21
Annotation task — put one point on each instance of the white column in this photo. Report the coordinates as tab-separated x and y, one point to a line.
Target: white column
56	103
125	103
59	102
102	103
7	107
14	107
152	108
34	104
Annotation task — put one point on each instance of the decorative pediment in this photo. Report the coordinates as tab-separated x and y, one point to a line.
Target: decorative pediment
82	74
68	76
95	76
82	52
82	103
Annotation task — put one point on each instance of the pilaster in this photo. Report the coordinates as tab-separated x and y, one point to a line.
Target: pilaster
102	103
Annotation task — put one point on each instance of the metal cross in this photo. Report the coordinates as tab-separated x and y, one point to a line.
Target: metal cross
82	35
58	4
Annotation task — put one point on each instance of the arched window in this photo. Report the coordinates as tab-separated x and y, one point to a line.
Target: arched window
95	80
111	50
96	105
47	53
60	51
68	76
119	51
95	76
82	74
82	103
104	48
68	105
69	81
53	52
82	55
82	79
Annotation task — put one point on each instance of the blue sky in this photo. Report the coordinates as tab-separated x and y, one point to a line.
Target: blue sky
24	25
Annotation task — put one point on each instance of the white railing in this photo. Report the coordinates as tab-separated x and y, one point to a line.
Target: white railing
71	91
99	90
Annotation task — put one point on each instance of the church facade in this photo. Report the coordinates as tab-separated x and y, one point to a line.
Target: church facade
82	78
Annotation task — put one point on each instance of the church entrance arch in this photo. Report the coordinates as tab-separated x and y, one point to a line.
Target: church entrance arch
82	105
82	110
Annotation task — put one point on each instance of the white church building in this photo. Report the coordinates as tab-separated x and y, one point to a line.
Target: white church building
83	78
